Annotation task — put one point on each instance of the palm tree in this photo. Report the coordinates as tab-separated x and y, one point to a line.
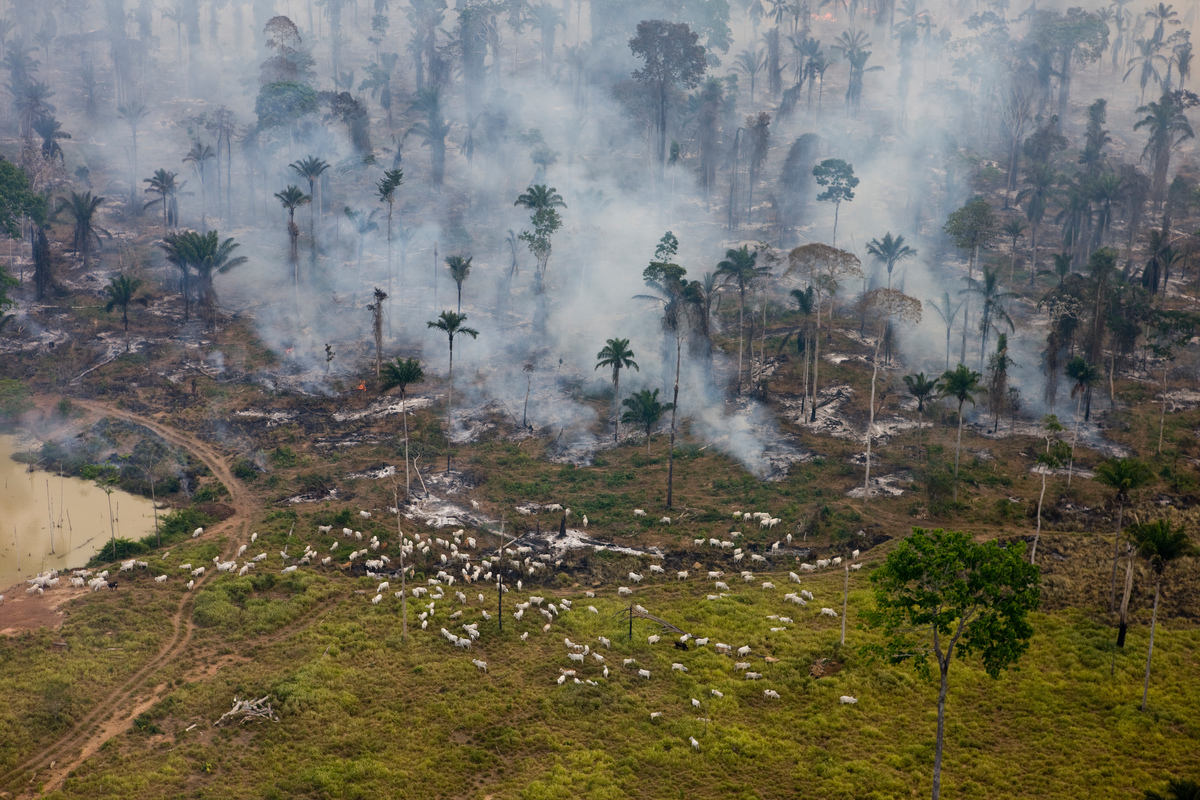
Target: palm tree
616	354
645	411
1123	476
1160	544
122	290
993	300
1014	229
1176	790
51	131
433	128
386	189
1040	180
451	323
460	268
178	249
921	389
1085	376
961	384
890	251
133	114
83	208
1148	58
290	198
750	62
400	373
538	198
212	257
199	154
806	303
948	315
311	168
164	184
1168	127
1107	190
739	268
363	224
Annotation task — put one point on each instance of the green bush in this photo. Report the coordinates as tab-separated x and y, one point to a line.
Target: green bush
14	399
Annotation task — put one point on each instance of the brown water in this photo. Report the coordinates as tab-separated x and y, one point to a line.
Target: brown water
48	522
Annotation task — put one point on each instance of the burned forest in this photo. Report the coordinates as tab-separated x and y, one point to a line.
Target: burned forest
573	399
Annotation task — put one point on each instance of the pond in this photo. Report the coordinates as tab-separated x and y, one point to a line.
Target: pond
51	522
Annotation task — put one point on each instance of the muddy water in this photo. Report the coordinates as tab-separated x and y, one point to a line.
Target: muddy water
48	522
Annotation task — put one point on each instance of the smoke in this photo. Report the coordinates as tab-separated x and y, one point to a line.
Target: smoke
567	116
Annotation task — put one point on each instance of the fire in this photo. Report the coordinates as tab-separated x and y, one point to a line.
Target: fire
362	387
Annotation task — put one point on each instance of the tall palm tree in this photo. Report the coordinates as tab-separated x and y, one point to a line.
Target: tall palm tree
922	389
1160	544
83	208
1040	180
311	168
739	268
1107	190
806	303
617	355
121	291
948	313
363	224
1014	229
890	251
452	324
197	156
433	128
399	374
51	132
1148	58
166	185
133	114
386	189
460	268
750	62
1085	375
1123	476
1168	127
291	198
993	301
961	384
645	411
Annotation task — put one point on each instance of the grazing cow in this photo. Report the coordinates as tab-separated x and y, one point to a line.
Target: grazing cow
112	585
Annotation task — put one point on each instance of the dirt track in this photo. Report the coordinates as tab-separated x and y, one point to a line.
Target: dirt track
51	765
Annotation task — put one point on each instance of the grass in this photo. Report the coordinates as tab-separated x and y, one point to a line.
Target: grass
365	714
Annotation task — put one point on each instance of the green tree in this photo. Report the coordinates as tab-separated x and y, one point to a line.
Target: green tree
1040	183
51	132
82	208
121	291
645	411
291	198
401	373
1085	376
890	251
922	389
941	594
971	227
1161	544
993	300
198	156
211	257
311	168
1014	229
542	201
386	189
739	268
1168	127
837	176
433	128
166	185
460	268
1124	476
451	324
617	355
672	57
961	384
1176	790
